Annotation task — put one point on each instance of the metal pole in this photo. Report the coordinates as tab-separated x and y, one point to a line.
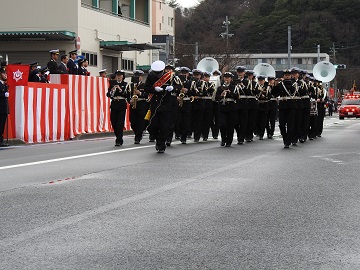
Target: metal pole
318	53
167	49
289	46
335	79
196	54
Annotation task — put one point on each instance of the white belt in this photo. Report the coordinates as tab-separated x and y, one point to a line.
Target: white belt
186	98
247	97
141	99
273	99
297	97
227	99
303	97
118	98
206	98
263	101
286	98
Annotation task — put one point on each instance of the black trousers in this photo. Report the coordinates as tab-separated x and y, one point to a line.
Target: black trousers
320	119
270	124
226	120
207	118
312	126
197	118
298	123
137	121
173	116
3	118
241	127
251	123
305	123
183	122
160	127
117	119
215	120
262	116
287	124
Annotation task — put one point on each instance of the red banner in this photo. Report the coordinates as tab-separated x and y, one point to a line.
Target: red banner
17	74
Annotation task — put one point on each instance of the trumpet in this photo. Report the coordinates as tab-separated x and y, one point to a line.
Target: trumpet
134	101
181	99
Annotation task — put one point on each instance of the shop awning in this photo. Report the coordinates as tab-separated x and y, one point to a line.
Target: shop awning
127	46
37	36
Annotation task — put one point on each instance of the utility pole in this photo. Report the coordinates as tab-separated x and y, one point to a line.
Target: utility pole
318	53
335	79
289	47
167	49
196	53
226	35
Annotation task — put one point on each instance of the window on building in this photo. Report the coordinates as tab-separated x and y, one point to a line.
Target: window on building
172	22
314	60
163	20
160	5
91	57
160	26
127	64
300	61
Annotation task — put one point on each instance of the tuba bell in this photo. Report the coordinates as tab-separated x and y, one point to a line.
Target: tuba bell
324	71
264	69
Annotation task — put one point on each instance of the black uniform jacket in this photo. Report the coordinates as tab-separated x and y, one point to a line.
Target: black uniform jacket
119	93
3	99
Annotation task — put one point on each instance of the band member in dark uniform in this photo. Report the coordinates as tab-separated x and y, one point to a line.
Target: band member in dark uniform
252	92
138	105
263	99
208	112
118	92
321	101
52	65
241	104
4	107
73	68
184	110
227	109
300	91
305	97
287	107
313	109
215	121
160	85
272	109
170	68
197	92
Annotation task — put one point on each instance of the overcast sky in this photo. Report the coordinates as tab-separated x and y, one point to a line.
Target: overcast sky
187	3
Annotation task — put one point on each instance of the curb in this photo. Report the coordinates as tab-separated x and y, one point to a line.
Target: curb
88	136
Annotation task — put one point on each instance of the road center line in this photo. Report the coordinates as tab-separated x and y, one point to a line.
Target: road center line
73	157
4	243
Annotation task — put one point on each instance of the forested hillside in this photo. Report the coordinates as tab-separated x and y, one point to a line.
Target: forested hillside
260	26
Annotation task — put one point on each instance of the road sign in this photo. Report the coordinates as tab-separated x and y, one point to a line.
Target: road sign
77	43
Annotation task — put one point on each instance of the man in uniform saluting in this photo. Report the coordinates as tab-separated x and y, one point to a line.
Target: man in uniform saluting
52	65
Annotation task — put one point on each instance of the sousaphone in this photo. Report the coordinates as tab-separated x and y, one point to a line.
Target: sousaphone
324	71
264	69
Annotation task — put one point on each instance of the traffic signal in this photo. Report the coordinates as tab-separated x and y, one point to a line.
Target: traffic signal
340	66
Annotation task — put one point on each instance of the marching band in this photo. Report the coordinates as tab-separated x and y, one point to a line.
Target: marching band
173	102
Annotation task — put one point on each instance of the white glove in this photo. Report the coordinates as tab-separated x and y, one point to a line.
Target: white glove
6	94
169	88
158	89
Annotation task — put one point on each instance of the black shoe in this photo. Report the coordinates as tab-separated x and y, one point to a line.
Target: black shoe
177	137
286	146
4	145
294	144
205	139
222	144
261	138
189	136
228	145
301	140
249	140
311	139
196	140
240	142
215	138
168	143
151	140
270	137
136	142
183	142
160	151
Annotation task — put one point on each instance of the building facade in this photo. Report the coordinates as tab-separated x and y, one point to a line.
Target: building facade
111	34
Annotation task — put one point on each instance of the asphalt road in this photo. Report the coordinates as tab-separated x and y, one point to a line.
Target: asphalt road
89	205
